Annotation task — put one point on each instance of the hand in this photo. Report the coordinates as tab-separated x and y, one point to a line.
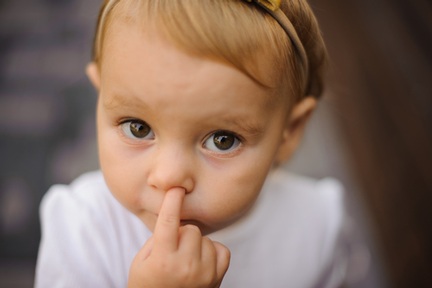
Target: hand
178	256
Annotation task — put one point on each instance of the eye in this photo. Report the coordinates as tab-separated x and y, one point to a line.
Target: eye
137	129
222	141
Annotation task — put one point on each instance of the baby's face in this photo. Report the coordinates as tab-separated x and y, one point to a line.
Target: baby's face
168	119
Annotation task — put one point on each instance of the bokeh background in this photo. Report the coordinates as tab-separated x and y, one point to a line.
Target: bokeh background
372	130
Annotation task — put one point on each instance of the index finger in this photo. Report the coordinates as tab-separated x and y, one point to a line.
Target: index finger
166	232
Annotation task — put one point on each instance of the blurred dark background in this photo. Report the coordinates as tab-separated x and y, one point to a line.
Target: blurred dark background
373	130
46	117
381	81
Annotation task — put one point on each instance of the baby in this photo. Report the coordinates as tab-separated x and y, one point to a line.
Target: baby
199	102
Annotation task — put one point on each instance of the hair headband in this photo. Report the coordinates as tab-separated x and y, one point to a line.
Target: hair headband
272	7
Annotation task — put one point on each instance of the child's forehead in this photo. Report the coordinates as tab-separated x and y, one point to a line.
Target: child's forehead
143	59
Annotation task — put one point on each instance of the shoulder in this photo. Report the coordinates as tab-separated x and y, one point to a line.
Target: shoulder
88	189
290	185
76	204
314	218
86	231
319	200
86	202
314	208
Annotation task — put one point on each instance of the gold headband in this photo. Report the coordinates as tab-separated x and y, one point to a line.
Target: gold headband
273	8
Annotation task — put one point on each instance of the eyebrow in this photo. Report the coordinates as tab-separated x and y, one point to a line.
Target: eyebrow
251	129
116	101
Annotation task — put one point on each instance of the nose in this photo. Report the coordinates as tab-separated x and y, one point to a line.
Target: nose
171	166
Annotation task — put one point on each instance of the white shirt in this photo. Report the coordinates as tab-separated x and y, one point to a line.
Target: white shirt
292	237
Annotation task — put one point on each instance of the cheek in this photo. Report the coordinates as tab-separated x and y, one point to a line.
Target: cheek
232	193
237	188
119	170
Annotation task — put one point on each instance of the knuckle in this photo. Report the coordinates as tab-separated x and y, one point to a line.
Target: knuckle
208	245
226	254
169	219
208	241
192	229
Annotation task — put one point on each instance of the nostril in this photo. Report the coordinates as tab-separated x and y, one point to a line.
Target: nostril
163	189
166	173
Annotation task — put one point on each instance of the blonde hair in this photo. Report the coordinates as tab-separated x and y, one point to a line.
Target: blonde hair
233	31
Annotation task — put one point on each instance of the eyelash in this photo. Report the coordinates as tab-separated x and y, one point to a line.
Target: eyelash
125	129
238	141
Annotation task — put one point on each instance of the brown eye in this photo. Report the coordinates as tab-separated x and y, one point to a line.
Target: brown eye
137	130
222	141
